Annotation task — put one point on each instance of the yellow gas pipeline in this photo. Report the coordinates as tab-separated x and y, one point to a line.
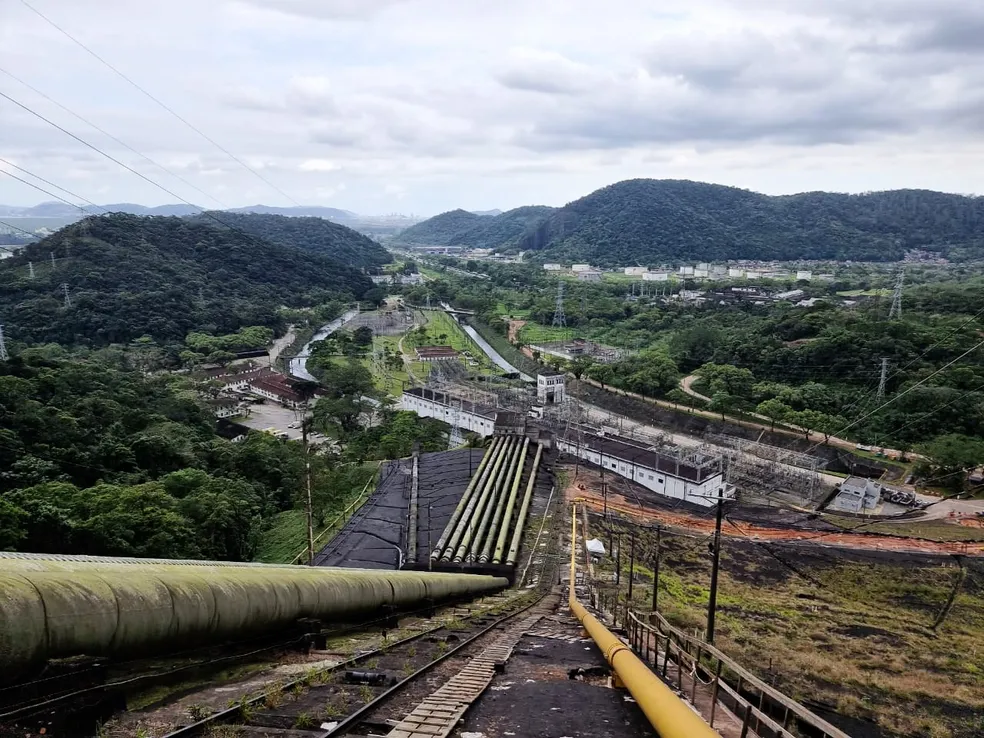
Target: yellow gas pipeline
668	714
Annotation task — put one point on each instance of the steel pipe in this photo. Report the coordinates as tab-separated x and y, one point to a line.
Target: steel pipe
469	521
503	511
670	716
479	474
498	492
69	607
517	537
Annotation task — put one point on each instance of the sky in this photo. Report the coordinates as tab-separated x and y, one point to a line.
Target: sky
422	106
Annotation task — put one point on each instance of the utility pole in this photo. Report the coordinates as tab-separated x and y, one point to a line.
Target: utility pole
631	565
656	568
30	269
716	551
3	347
884	377
896	310
68	299
559	319
308	507
618	561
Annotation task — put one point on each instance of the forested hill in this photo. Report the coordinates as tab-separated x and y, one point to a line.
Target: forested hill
461	228
129	276
650	221
313	234
441	229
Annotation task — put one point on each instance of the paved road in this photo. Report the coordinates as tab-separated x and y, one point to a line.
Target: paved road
281	343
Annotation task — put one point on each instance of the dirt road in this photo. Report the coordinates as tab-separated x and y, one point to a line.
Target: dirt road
586	488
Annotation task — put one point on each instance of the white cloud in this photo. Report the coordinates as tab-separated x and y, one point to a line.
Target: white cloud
319	165
426	105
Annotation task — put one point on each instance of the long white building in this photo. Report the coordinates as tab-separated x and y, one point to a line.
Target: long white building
459	413
695	480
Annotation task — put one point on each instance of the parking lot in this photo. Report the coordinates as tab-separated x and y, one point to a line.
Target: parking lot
272	415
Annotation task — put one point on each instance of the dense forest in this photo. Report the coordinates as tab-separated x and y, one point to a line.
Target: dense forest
163	277
653	222
311	234
97	458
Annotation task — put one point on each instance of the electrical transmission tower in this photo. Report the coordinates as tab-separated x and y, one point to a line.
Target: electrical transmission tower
884	378
68	299
559	319
3	347
52	255
30	269
896	310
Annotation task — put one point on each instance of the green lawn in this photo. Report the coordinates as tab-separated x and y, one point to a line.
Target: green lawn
865	293
440	324
536	333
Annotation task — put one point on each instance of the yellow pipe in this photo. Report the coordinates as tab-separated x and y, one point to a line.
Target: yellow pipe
670	716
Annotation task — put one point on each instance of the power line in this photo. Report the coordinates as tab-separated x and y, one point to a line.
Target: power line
158	102
15	228
52	184
97	149
902	394
113	138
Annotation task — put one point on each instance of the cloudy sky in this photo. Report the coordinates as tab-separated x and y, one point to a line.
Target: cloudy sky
420	106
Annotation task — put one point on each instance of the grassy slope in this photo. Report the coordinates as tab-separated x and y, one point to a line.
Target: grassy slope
857	637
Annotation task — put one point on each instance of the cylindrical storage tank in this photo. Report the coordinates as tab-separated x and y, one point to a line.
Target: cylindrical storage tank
62	608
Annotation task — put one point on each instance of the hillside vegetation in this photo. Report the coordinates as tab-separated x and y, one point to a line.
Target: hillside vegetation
653	221
461	228
130	276
311	234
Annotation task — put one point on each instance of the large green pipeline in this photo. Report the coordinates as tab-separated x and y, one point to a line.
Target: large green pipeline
506	499
465	524
504	528
523	510
66	606
477	478
473	524
498	494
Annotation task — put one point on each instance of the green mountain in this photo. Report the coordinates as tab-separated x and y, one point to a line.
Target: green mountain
440	230
652	221
312	234
129	276
461	228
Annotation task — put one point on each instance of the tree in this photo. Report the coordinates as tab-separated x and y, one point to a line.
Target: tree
774	410
951	455
722	402
580	365
362	336
727	378
811	420
601	373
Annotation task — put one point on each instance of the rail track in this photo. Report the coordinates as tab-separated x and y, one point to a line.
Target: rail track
335	700
91	691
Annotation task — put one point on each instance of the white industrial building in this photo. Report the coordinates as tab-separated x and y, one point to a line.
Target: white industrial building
551	388
459	413
804	275
695	479
580	268
636	271
589	275
656	277
857	495
553	267
736	272
687	271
